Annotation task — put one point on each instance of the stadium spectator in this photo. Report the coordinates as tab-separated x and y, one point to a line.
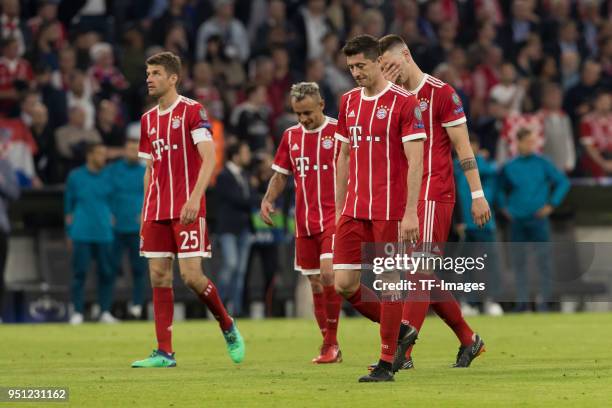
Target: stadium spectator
226	66
105	76
309	26
250	120
531	189
54	99
9	191
373	23
558	131
79	95
576	102
596	137
46	13
274	30
470	232
281	82
485	76
176	41
13	27
315	72
234	225
71	140
44	160
16	75
570	70
176	13
509	92
205	91
113	135
89	231
28	101
126	176
132	60
522	22
19	148
224	25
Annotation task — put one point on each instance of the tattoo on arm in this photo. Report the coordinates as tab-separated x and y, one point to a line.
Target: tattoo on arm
468	164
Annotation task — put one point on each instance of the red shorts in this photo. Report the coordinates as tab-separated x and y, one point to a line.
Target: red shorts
435	220
170	238
352	232
310	250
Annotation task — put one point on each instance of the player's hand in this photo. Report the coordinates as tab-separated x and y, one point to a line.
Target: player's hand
544	211
608	166
267	208
409	228
460	230
190	211
481	213
390	71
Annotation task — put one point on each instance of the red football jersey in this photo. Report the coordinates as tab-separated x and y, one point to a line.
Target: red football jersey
376	128
169	139
597	131
441	107
311	156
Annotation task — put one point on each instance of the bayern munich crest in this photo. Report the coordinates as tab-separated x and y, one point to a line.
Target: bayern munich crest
176	122
327	142
381	113
423	105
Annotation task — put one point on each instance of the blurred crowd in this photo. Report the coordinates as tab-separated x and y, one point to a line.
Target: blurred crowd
72	74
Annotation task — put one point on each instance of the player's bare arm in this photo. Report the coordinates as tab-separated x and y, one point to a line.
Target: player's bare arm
275	188
190	210
410	221
459	137
342	168
147	178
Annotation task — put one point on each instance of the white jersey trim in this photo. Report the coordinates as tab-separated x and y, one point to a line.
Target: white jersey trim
201	254
414	136
341	138
455	122
280	170
170	108
144	155
201	135
346	266
378	95
147	254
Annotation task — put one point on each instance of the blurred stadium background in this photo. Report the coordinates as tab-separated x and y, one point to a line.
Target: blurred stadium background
73	71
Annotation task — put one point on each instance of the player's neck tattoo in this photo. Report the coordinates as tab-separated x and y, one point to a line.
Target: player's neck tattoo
468	164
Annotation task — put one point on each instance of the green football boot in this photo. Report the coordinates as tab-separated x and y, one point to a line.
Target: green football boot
157	359
234	343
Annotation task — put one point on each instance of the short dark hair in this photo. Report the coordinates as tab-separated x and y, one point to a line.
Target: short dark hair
389	41
168	60
523	133
90	147
233	149
251	88
362	44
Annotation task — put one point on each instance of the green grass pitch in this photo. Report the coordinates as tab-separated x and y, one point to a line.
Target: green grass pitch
531	360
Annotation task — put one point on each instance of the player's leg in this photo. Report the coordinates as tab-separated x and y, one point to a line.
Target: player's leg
307	262
443	302
157	245
350	234
81	259
333	301
193	245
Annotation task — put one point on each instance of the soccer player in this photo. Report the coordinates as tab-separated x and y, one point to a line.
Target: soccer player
309	150
377	186
445	124
176	142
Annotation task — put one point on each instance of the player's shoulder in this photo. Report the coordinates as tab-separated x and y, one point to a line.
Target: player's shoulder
190	104
331	122
440	86
403	95
351	92
292	129
147	113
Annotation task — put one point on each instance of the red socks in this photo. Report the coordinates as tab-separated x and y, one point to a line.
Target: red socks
210	297
450	312
365	301
390	317
417	303
333	304
163	309
320	311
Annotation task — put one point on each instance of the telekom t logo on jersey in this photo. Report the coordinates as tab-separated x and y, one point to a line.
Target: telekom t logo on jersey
160	145
302	164
355	132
